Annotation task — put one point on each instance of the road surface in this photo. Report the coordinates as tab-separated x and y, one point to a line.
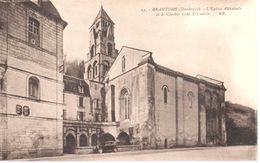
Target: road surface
197	154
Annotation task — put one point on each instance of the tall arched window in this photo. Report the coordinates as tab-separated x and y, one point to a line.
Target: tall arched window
124	104
105	67
95	70
109	48
89	72
123	63
92	51
33	87
165	94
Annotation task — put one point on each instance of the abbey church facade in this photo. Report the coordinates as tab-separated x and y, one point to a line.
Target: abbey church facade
125	94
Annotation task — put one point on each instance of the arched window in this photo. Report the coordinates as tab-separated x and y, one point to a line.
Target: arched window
33	88
89	72
123	63
95	70
92	51
105	67
124	104
165	94
83	140
109	48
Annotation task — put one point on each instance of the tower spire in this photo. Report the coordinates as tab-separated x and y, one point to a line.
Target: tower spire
102	52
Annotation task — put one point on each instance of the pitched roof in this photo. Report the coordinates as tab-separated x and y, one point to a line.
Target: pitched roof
49	7
46	8
102	14
71	84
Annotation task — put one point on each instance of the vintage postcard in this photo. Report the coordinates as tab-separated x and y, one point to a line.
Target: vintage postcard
95	80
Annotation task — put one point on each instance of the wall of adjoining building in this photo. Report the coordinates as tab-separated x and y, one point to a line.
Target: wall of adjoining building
71	107
38	133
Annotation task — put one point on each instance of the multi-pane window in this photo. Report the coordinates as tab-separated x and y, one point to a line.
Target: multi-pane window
34	31
125	104
34	26
33	88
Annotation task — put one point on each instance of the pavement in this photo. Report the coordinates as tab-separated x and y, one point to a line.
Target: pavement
230	153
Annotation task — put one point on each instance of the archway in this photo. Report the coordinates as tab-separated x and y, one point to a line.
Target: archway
94	140
106	137
70	143
123	139
83	140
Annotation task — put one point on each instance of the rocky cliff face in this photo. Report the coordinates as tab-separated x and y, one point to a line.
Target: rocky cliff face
241	123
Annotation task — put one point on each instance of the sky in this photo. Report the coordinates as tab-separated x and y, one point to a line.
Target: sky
222	47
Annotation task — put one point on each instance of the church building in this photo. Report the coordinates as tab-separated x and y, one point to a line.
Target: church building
156	107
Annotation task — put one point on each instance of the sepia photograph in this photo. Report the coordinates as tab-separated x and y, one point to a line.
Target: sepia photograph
132	80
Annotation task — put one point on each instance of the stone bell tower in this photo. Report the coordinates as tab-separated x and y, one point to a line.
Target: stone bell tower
102	52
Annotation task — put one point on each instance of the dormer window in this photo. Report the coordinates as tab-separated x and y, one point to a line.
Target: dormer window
34	31
81	89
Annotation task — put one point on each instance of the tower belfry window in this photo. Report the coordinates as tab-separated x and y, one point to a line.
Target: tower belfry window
109	49
123	63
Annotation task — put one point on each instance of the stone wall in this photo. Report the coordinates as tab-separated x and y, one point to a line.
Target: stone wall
188	118
72	107
165	112
135	82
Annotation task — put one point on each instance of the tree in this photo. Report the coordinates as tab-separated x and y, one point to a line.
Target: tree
75	68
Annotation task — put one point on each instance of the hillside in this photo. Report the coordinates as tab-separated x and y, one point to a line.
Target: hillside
241	124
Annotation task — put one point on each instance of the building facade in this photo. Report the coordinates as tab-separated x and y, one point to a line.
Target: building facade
31	54
125	94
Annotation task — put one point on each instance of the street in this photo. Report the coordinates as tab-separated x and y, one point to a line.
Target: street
231	153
